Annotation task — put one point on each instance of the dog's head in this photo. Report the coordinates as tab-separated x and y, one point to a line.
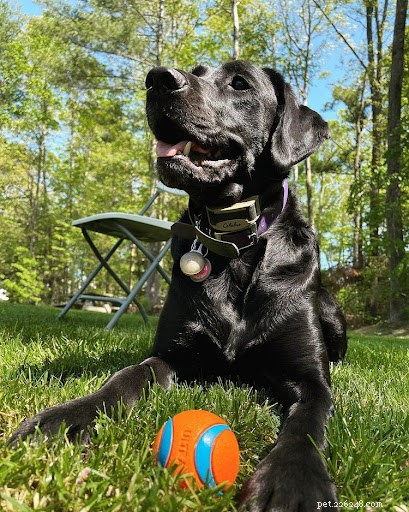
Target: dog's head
224	132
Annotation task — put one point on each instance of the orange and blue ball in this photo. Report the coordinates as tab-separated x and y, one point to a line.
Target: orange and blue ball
199	445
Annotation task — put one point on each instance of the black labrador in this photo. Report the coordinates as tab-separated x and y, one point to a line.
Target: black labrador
247	302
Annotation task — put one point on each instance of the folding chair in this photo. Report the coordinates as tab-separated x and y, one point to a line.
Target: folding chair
124	226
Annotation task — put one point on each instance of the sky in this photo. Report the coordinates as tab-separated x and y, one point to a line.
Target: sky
28	7
320	93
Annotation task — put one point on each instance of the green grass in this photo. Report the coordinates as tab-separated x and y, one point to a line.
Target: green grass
44	362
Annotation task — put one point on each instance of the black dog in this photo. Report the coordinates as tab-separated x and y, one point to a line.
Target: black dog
256	311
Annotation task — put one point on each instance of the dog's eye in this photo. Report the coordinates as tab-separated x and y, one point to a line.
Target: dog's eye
239	83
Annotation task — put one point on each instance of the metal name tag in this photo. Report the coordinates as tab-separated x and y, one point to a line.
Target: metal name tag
236	217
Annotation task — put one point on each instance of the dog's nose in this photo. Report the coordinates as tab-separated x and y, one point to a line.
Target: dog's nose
165	79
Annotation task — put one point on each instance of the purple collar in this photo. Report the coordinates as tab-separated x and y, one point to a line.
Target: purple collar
265	221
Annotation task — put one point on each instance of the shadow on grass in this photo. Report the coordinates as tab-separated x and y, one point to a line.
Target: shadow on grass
71	365
75	345
40	322
14	311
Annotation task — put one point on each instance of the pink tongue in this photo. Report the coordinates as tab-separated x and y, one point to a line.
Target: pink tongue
166	150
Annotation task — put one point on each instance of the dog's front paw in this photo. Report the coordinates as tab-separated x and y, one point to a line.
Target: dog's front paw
77	415
289	481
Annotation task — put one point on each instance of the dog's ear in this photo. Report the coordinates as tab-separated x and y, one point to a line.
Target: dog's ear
297	130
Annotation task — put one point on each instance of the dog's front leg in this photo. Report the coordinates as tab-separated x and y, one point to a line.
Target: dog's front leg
293	477
125	386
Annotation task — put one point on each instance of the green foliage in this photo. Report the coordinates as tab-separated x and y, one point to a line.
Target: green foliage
258	25
12	64
365	298
74	139
25	283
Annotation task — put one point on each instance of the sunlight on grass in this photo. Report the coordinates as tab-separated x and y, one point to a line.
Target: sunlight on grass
44	362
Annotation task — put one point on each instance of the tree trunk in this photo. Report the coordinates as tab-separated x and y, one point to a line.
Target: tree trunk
357	251
396	250
309	186
375	72
154	282
236	29
295	179
159	32
375	76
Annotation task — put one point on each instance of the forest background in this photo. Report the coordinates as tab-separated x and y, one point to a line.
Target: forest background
74	139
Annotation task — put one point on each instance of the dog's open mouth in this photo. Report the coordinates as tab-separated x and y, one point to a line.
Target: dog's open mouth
191	152
194	166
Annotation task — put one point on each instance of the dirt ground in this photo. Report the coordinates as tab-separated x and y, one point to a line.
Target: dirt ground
384	329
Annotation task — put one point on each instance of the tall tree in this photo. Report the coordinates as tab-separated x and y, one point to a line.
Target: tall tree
217	38
375	15
376	18
356	118
301	28
399	287
236	29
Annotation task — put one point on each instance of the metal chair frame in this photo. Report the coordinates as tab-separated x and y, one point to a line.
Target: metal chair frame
113	224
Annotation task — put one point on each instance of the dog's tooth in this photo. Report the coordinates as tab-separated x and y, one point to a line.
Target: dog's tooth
186	151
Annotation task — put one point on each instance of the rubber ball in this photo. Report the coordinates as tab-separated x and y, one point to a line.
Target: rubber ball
200	445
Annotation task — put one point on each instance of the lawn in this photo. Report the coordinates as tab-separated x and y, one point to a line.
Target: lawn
44	362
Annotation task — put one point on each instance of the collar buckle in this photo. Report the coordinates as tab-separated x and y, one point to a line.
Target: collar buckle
243	238
228	242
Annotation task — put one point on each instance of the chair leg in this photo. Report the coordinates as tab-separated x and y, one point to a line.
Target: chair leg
89	279
143	249
138	286
114	275
151	257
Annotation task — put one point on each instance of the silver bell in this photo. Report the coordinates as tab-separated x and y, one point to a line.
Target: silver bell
192	263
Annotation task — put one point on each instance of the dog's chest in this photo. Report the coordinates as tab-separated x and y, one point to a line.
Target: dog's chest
229	311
